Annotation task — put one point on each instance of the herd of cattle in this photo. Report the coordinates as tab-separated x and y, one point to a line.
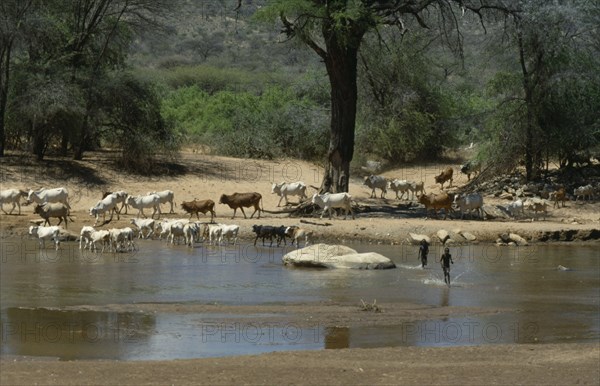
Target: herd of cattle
469	202
53	203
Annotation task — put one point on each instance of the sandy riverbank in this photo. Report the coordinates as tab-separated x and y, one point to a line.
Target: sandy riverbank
202	177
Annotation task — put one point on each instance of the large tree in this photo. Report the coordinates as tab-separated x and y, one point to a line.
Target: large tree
334	30
548	100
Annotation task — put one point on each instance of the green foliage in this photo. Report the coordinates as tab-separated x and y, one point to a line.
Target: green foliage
545	107
275	123
405	114
132	121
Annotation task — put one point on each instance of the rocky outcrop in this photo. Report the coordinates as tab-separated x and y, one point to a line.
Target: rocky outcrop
336	256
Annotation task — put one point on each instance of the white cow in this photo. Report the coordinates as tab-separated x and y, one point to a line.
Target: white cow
470	202
121	238
43	196
176	229
86	235
46	233
101	236
107	204
144	224
583	192
163	228
229	232
141	202
376	182
402	186
121	199
417	188
165	196
12	196
213	232
285	189
516	208
328	201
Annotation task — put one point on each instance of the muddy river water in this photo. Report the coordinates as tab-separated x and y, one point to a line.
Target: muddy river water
551	292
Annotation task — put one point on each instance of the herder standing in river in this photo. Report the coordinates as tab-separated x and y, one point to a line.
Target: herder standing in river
445	260
423	252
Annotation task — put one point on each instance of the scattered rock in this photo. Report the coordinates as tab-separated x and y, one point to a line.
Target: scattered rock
563	268
449	242
416	238
505	238
493	212
517	239
443	235
468	236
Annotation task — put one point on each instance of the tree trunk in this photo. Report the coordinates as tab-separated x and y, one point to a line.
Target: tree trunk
80	142
529	149
341	63
4	79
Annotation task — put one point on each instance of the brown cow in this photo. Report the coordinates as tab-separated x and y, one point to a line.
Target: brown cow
437	201
53	209
445	176
196	206
242	200
559	195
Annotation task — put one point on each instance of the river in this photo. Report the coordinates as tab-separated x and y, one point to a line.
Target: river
553	292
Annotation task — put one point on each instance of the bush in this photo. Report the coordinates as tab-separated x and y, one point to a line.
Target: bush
133	122
276	123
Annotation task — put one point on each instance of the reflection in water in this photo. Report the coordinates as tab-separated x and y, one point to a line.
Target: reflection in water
546	304
73	334
70	335
337	337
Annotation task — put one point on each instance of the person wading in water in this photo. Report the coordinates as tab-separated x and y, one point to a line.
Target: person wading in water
445	261
423	252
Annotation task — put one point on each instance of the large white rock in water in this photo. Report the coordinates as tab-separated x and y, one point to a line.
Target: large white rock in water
336	256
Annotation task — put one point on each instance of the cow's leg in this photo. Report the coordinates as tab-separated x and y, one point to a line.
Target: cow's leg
257	208
2	208
171	211
281	198
244	213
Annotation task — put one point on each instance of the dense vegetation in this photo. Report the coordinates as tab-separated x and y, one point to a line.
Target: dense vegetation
148	76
